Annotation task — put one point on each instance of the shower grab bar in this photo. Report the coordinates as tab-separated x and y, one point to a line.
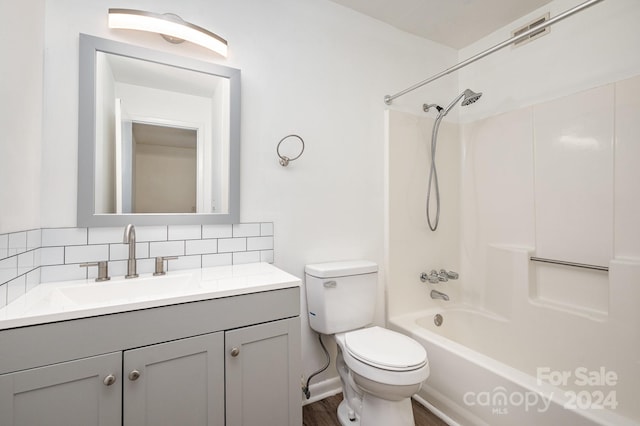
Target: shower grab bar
573	264
389	98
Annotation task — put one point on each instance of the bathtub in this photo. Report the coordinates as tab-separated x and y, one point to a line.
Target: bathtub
483	373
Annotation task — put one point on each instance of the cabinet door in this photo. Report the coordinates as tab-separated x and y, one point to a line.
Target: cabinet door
263	374
75	393
179	383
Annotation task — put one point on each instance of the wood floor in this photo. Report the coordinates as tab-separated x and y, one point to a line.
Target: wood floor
323	413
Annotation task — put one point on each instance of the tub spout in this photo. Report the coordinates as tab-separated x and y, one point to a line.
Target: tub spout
435	294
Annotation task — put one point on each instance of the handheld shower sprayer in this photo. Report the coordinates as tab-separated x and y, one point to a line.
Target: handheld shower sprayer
468	97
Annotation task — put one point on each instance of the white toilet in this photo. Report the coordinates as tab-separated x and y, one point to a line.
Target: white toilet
380	369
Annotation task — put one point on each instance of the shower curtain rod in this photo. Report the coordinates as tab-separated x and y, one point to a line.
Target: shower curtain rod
389	98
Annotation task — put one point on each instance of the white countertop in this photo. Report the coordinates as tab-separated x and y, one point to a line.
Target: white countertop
59	301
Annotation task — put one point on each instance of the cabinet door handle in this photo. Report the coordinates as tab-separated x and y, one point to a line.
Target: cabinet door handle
109	380
134	375
235	352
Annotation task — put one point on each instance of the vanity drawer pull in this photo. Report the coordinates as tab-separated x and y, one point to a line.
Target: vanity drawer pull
134	375
109	380
235	352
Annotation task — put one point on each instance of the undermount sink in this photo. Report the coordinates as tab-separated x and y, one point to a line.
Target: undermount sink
143	288
65	300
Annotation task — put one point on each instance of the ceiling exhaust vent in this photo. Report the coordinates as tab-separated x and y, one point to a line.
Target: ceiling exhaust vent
534	35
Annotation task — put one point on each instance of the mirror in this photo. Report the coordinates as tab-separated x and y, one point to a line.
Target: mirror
159	137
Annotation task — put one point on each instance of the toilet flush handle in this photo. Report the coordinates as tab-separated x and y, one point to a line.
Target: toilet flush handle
330	284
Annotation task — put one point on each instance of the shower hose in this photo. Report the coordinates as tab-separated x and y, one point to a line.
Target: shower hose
433	178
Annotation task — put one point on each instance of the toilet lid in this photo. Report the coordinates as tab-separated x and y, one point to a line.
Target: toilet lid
385	349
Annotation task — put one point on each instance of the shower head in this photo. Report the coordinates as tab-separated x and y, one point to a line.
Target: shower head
470	97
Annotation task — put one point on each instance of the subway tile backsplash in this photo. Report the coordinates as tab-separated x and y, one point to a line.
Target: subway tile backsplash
31	257
190	232
217	231
58	237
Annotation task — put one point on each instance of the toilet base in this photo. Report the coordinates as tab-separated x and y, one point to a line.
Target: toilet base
379	412
343	415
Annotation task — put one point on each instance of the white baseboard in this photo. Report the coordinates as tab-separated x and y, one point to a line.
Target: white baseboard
322	390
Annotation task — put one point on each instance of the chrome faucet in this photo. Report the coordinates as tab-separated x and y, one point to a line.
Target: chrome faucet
435	294
130	238
431	277
435	277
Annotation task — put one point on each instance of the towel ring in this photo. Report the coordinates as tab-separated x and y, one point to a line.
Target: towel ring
284	160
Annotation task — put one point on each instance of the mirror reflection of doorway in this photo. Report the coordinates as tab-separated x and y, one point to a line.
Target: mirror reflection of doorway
164	169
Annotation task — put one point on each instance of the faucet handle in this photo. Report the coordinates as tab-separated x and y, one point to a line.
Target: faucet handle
449	274
432	277
103	269
160	264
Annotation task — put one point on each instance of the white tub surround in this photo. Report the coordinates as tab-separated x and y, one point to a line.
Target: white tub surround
555	180
578	365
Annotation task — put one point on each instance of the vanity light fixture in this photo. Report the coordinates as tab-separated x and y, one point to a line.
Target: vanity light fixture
170	26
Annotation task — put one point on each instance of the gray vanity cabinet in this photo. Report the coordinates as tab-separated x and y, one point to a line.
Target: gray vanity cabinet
172	365
262	367
175	383
83	392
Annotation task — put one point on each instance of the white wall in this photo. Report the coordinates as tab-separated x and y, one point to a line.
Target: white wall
21	45
593	47
309	67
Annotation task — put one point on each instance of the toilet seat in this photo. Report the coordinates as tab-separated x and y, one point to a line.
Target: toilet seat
385	349
380	373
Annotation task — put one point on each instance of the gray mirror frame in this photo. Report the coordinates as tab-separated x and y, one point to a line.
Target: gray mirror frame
89	46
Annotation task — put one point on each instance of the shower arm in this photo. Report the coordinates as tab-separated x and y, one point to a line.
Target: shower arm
389	98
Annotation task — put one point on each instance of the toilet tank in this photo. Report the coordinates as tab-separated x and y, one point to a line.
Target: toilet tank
341	296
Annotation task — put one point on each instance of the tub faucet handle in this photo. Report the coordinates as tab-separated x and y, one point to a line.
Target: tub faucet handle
432	277
442	275
449	274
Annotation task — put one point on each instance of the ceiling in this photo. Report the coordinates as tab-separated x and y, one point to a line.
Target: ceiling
454	23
